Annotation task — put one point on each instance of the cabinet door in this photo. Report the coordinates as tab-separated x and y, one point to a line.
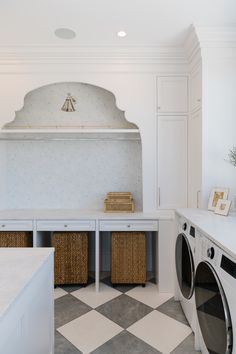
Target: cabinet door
172	94
172	162
195	159
196	89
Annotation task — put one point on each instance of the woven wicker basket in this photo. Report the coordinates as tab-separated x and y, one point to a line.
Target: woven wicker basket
71	257
128	258
16	239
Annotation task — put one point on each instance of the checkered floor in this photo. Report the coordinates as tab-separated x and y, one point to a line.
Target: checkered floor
121	320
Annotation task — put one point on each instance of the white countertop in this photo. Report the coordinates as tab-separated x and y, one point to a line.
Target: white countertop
76	214
18	266
220	229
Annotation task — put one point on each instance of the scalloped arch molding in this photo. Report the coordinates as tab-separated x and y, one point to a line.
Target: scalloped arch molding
95	108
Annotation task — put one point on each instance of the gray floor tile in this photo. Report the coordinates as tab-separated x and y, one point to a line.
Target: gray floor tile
173	309
63	346
73	287
67	308
186	347
125	343
124	310
123	288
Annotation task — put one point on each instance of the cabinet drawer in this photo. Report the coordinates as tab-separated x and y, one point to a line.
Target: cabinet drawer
128	225
16	225
66	225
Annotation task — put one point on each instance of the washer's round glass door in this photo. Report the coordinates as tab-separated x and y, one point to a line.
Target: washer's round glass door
184	266
212	310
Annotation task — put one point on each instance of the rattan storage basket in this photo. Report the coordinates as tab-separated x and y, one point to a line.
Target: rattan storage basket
71	257
16	239
128	258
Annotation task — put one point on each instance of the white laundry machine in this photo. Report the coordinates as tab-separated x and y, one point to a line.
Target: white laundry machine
215	296
185	254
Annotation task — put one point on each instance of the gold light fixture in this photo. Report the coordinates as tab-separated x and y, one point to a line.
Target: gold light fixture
69	104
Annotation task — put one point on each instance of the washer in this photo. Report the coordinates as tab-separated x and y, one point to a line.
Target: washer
215	295
185	269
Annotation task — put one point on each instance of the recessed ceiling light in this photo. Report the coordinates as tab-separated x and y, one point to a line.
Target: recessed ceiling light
121	34
65	33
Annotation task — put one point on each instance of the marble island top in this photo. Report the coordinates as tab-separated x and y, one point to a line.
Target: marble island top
220	229
18	266
76	214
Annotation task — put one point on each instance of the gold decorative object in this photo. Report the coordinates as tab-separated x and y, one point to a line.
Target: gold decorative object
69	104
119	202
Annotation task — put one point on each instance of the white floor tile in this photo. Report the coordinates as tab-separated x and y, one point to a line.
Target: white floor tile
59	292
89	331
149	295
160	331
94	299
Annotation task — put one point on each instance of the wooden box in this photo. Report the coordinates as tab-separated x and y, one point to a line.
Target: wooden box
71	257
119	202
128	251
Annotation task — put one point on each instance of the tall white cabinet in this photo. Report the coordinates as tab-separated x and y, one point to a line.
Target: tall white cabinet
172	142
195	139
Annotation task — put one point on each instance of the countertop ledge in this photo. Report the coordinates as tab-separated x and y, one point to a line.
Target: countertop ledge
18	266
78	214
219	229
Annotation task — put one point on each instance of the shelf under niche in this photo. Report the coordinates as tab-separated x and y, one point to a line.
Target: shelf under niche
68	134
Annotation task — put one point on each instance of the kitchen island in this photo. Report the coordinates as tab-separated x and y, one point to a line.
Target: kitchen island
26	301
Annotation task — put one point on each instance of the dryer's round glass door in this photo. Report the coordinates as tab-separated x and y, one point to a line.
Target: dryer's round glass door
184	266
212	310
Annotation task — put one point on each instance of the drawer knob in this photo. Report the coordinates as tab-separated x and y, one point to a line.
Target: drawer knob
65	225
128	225
3	225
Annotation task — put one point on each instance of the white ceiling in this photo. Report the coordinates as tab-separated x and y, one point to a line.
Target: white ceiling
147	22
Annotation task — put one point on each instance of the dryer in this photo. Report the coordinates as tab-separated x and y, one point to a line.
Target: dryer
185	255
215	295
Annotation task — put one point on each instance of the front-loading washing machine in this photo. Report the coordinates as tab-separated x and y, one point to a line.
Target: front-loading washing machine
215	296
185	254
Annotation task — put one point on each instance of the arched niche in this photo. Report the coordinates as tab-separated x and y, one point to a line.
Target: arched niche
72	173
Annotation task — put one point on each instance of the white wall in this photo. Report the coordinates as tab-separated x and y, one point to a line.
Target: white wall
219	119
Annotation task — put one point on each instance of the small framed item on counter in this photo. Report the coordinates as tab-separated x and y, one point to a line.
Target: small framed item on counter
216	194
222	207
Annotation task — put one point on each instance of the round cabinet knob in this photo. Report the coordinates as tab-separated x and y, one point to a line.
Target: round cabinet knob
128	225
184	226
211	253
65	225
3	225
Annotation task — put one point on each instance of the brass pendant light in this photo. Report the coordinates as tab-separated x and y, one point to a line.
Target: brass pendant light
69	104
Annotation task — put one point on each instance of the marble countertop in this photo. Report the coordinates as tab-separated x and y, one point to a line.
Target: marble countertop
77	214
220	229
18	266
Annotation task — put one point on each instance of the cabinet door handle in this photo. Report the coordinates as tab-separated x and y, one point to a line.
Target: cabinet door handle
159	196
198	193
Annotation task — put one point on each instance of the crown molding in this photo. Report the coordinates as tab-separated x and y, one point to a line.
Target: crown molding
93	55
201	38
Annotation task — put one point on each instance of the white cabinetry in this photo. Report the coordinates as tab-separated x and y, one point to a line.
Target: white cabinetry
195	159
172	130
196	89
195	139
172	161
172	94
